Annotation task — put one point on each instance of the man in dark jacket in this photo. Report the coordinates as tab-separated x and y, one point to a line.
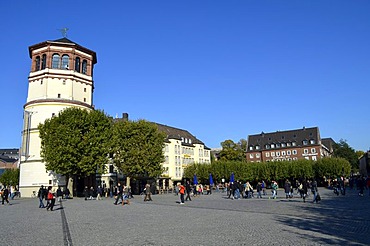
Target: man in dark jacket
119	193
5	195
188	190
41	196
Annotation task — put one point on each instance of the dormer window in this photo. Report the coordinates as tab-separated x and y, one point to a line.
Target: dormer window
312	141
277	145
294	143
257	147
272	146
267	146
283	145
250	147
182	139
304	142
189	141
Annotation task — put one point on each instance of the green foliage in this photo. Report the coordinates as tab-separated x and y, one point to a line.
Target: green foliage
76	142
10	177
298	169
343	150
232	151
138	148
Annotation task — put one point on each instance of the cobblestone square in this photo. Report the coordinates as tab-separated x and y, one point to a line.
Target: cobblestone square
206	220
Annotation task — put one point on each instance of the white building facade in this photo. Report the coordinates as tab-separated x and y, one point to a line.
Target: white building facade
61	76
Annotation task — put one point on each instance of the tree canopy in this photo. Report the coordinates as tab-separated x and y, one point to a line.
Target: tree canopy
138	148
233	151
76	142
256	171
343	150
10	177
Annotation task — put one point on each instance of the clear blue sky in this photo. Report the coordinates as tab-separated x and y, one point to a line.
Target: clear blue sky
219	69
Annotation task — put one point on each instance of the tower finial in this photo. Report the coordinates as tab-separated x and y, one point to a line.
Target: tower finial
64	31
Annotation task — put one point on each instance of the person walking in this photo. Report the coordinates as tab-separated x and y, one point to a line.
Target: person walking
51	199
148	193
188	190
314	191
41	195
259	189
263	185
274	187
99	192
86	192
287	189
5	195
182	192
119	193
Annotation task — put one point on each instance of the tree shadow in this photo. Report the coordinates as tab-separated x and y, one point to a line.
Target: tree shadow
344	219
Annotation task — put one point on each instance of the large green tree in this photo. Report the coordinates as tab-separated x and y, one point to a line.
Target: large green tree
10	177
232	151
76	142
138	148
343	150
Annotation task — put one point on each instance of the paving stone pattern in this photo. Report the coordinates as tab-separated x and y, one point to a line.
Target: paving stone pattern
206	220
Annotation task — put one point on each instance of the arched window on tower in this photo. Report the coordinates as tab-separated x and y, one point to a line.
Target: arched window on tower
43	62
77	65
37	68
55	61
65	62
84	67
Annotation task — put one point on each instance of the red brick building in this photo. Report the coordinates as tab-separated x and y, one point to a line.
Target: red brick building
304	143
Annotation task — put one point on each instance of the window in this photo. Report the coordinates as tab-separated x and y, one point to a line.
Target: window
283	153
283	145
272	153
258	155
77	64
305	151
294	152
304	142
288	144
289	152
257	147
312	141
37	68
84	67
272	146
251	156
277	145
84	99
267	146
65	62
58	95
313	150
314	158
294	144
55	61
43	62
84	89
277	153
250	147
267	154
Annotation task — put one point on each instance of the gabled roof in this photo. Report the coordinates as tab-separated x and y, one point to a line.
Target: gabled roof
178	134
290	136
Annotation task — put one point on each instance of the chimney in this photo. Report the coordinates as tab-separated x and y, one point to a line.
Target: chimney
125	116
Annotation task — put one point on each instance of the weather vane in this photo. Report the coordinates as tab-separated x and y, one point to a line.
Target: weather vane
64	31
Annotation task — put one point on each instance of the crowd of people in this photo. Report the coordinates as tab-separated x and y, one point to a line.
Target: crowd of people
186	191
